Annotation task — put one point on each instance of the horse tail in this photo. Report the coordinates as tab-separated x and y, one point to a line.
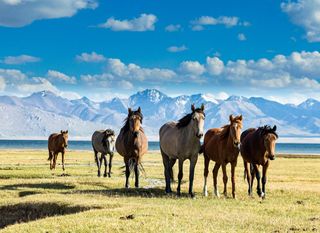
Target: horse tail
50	156
244	174
201	149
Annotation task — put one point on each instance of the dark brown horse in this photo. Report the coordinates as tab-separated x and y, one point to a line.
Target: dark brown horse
257	148
132	144
222	146
57	143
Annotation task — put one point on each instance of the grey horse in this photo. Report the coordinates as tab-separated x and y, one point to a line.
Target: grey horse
103	142
181	140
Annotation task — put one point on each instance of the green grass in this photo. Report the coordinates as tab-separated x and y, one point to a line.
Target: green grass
32	199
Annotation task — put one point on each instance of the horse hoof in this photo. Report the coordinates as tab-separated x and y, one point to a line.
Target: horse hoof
104	175
205	193
192	195
109	175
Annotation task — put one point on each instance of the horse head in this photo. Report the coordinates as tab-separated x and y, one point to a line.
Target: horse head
235	130
198	117
135	120
269	140
109	140
64	138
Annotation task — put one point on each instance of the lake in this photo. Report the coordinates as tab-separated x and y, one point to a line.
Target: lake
285	148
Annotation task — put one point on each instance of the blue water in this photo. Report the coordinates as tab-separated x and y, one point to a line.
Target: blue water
287	148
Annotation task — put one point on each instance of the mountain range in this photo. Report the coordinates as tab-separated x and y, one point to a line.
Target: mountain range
42	113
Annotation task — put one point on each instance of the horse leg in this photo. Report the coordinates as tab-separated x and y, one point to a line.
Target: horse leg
110	164
51	157
172	163
180	176
253	175
193	163
127	174
101	158
62	159
136	172
225	179
258	177
248	174
166	165
105	164
96	157
215	177
205	174
55	160
264	179
233	167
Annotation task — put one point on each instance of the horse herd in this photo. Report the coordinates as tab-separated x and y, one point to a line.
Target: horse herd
181	141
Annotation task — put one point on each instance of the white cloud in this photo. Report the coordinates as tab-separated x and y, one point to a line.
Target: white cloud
22	59
2	83
125	84
200	23
145	22
90	57
242	37
214	65
38	84
192	68
12	75
305	13
54	76
176	49
18	13
173	28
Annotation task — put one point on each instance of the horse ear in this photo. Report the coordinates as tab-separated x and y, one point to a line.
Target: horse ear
202	107
231	118
274	128
129	111
240	117
193	108
61	131
139	110
67	131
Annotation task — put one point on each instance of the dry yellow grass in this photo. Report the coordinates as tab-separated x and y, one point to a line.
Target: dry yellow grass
34	200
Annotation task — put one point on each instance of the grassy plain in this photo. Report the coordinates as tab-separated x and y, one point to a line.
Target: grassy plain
32	199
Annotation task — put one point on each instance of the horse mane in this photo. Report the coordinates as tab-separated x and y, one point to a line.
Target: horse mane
184	121
225	132
266	129
109	132
126	125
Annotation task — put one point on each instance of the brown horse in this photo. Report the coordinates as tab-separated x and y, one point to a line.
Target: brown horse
222	146
257	148
57	143
132	144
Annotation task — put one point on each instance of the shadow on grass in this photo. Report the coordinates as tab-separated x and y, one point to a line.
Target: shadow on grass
25	212
38	186
131	192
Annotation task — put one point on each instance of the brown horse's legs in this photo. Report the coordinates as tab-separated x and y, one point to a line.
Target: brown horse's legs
136	172
248	174
205	174
110	164
258	177
180	176
193	163
215	179
225	179
166	165
51	157
127	174
55	160
264	178
62	159
233	167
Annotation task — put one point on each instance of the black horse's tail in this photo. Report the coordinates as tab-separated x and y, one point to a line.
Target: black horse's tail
50	156
132	163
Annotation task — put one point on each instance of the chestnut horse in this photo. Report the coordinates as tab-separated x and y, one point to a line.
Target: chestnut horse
222	146
181	140
57	143
257	148
132	144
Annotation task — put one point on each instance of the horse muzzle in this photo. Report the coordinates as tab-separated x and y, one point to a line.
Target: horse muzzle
136	134
272	157
199	135
237	144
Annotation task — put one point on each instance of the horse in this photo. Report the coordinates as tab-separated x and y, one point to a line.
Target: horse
132	144
181	140
57	143
257	148
103	142
222	146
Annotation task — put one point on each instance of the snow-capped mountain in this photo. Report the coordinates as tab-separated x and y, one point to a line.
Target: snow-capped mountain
42	113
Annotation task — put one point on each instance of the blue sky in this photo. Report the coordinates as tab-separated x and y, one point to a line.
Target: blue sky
101	49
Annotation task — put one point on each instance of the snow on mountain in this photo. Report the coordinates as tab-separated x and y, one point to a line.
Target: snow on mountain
42	113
